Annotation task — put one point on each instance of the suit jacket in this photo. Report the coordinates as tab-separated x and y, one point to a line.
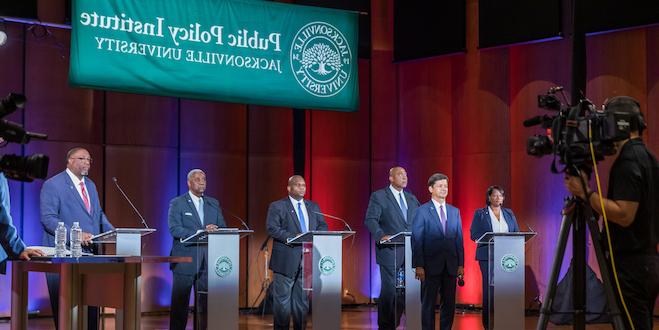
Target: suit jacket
384	217
183	221
12	245
60	201
433	249
282	223
482	224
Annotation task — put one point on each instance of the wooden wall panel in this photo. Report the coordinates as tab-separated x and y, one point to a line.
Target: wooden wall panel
12	57
651	110
340	175
141	120
52	100
270	164
537	194
150	188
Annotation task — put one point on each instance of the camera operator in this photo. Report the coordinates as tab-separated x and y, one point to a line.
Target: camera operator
632	209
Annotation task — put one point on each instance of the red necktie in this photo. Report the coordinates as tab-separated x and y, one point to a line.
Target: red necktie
85	199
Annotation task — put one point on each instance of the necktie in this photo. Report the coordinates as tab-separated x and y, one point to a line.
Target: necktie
403	207
300	217
85	198
200	210
442	217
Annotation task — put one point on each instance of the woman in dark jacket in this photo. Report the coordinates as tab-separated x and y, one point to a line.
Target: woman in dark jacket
492	218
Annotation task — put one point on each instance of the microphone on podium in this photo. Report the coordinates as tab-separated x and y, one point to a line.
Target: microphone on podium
335	218
114	179
239	219
530	229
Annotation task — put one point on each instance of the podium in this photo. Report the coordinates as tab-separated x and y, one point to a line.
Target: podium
412	286
327	275
128	240
223	274
506	273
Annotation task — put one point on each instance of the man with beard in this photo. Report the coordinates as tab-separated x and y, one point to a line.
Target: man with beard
67	197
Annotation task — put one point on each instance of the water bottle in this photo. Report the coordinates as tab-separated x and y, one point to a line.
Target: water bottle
60	240
400	278
76	240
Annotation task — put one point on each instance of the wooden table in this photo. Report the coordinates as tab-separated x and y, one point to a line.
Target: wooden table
109	281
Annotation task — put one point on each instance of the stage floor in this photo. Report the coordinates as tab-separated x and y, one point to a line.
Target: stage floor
364	317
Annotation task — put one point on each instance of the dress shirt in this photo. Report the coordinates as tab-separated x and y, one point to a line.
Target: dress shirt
304	210
498	226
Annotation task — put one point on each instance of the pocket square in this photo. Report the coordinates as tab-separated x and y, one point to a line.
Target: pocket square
188	213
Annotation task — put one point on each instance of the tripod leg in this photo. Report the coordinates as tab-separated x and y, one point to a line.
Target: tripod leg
614	311
545	310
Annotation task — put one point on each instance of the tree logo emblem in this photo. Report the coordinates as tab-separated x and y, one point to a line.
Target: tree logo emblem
223	266
327	265
509	263
321	59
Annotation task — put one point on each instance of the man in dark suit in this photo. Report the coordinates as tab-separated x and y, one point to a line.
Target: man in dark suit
187	214
287	218
67	197
437	253
390	211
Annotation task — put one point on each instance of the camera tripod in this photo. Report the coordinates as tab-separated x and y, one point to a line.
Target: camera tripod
577	215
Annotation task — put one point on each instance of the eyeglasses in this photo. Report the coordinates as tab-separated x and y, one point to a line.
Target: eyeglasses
82	159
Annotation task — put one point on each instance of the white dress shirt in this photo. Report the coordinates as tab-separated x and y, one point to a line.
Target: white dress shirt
195	201
76	183
397	197
498	226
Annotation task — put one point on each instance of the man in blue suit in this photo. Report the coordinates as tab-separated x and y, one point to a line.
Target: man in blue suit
68	197
12	244
187	214
287	218
492	218
437	253
390	211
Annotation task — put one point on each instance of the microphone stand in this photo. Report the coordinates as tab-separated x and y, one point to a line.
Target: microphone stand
114	179
239	219
345	223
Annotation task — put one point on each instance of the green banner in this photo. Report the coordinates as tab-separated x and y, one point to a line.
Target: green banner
244	51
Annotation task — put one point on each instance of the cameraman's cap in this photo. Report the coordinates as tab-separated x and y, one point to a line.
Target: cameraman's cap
623	104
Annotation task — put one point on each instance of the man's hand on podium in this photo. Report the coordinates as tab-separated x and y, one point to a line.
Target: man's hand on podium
212	227
385	238
420	273
86	238
461	271
30	252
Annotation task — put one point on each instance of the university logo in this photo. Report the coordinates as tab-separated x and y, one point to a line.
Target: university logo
321	59
327	265
223	266
509	263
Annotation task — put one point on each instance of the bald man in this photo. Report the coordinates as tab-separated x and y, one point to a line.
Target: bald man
390	211
287	218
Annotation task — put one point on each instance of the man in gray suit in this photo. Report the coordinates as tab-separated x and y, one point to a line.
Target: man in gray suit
67	197
188	213
287	218
390	211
